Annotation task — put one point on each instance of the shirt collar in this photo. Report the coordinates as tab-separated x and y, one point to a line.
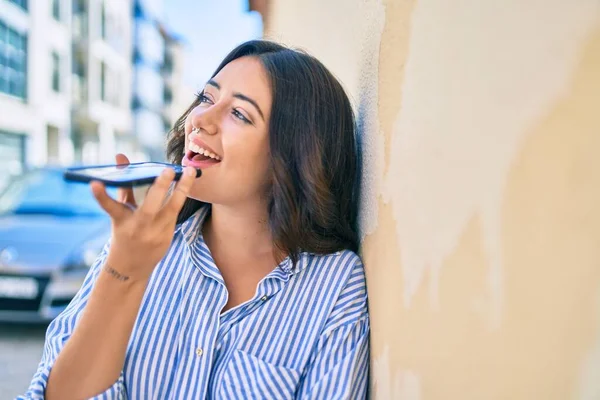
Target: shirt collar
191	227
287	266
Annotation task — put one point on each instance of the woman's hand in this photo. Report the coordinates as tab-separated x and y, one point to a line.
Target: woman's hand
94	354
125	195
141	236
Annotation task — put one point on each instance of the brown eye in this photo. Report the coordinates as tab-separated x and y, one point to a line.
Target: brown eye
240	116
202	98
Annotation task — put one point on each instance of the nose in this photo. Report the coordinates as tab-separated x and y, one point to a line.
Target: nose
206	119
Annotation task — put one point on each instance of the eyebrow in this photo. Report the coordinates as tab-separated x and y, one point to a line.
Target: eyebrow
240	96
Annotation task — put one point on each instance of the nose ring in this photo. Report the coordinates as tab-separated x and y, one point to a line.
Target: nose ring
195	131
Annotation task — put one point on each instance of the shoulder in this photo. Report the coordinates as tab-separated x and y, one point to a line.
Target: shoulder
343	264
342	276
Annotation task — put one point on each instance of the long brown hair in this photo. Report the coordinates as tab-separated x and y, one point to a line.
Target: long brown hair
313	200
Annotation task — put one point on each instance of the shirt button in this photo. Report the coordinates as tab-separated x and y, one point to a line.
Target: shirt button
264	298
199	352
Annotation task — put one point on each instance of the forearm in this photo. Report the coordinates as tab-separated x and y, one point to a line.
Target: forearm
93	357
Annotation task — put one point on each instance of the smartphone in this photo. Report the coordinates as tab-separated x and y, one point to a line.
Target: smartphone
124	175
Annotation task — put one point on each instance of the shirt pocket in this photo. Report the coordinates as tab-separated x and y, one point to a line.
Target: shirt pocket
249	377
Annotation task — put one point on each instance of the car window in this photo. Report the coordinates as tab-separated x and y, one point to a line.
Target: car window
46	192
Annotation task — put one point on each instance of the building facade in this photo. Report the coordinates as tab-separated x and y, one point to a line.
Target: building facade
83	79
177	95
148	83
65	82
102	80
35	123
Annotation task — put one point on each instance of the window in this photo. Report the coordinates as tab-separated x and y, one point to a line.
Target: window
20	3
135	103
79	19
55	72
110	90
56	9
138	11
13	62
78	62
79	74
167	95
103	81
12	156
168	63
103	20
79	6
53	144
137	56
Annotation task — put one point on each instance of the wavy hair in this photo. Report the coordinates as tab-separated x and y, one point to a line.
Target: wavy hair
313	198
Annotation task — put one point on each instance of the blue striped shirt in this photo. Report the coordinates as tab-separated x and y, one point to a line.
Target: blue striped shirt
304	334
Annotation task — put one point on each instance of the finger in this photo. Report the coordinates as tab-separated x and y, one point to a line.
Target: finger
115	209
157	192
181	191
122	159
125	195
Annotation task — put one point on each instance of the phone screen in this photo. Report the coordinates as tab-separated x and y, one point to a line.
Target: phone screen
122	175
125	172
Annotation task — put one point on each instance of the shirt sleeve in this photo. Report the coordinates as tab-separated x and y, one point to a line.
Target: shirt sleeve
339	366
60	330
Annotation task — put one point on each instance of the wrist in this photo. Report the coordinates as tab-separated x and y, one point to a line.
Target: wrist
116	295
120	275
106	268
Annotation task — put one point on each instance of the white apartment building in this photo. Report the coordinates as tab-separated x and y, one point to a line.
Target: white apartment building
177	95
81	80
65	82
35	47
149	84
102	80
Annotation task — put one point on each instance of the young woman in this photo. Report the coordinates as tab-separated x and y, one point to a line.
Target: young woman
243	283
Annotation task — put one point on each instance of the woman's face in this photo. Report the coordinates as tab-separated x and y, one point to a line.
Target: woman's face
227	135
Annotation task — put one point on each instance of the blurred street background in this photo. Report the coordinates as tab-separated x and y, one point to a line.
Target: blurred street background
81	80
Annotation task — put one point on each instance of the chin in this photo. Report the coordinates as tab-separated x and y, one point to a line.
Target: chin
201	193
200	196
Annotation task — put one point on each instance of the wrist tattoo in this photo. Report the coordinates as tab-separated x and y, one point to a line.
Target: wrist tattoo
115	274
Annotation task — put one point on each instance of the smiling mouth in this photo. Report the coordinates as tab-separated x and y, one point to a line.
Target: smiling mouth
197	153
200	157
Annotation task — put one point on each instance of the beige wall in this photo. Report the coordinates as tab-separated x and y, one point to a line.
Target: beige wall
481	215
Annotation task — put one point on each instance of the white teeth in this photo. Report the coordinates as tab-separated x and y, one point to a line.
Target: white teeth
197	149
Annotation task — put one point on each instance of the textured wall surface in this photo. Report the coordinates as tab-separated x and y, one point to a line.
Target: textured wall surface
481	211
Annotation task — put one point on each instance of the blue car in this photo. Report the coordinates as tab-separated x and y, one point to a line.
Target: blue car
51	231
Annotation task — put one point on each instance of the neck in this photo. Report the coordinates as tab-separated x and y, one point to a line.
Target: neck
239	230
